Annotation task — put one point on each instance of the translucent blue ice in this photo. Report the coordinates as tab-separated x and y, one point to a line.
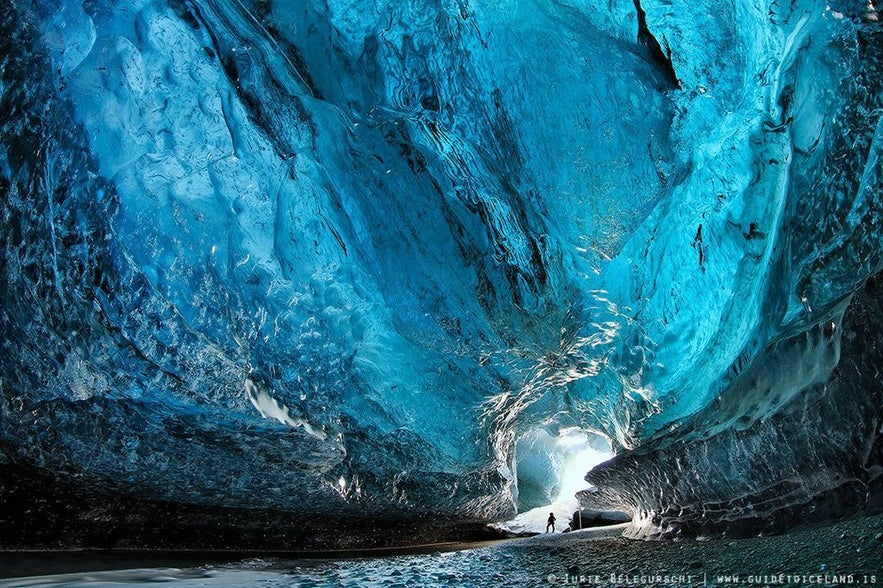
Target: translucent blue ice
348	253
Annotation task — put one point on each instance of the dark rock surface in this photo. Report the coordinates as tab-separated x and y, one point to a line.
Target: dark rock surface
587	517
39	510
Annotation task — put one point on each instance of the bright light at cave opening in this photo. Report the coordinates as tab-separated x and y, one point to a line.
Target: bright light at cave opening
577	452
579	456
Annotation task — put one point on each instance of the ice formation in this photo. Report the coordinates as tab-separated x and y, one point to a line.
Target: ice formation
350	256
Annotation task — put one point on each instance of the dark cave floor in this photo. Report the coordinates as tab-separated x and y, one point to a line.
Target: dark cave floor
845	553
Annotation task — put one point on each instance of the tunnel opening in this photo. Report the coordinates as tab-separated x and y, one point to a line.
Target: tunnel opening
550	469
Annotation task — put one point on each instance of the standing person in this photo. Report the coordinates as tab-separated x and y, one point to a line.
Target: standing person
551	522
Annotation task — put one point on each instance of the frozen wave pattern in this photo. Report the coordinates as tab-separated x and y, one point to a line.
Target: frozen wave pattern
342	256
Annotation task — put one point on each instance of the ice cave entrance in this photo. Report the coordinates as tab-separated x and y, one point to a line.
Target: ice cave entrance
550	470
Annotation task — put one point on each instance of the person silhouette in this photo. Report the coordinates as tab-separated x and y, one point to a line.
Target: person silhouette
551	522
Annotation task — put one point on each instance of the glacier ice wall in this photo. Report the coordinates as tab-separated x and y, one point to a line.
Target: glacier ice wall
343	256
789	428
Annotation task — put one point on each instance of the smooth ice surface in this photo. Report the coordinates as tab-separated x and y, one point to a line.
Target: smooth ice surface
354	255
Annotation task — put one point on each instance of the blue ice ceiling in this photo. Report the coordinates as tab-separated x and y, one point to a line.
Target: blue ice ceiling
330	254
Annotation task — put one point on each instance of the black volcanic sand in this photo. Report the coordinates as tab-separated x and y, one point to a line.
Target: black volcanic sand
846	553
812	556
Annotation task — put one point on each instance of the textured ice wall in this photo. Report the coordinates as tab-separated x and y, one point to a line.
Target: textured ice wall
788	427
740	467
344	255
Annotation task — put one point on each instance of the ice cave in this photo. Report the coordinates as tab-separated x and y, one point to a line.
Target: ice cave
315	275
